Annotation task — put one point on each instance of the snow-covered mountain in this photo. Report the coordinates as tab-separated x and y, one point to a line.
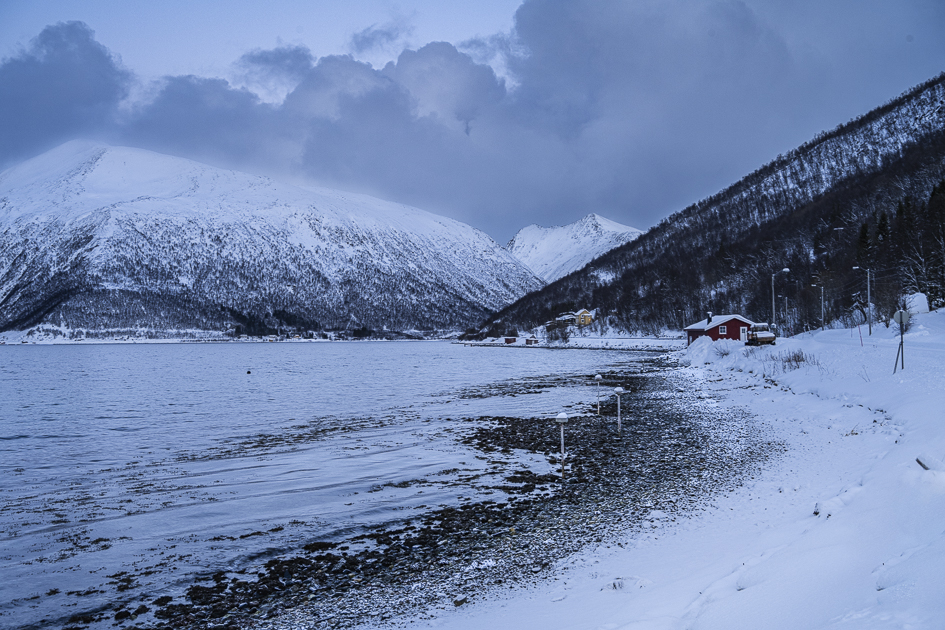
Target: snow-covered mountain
111	238
554	252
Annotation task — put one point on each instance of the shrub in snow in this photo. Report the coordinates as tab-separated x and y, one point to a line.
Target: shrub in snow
789	361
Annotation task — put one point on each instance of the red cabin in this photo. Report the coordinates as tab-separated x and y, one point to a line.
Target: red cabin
720	327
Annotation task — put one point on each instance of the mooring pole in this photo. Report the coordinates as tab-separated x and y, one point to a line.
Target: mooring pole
598	378
619	391
562	420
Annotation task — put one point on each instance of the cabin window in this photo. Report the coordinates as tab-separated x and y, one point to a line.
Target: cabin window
723	330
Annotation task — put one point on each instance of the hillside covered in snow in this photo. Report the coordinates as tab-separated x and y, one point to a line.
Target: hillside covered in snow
554	252
110	240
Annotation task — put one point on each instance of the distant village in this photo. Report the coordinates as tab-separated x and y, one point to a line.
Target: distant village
561	328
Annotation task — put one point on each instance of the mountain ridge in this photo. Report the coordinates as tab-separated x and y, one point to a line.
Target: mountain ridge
114	238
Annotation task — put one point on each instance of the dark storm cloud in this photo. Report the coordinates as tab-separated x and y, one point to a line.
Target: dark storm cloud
617	109
205	119
274	73
290	62
646	99
64	85
380	36
446	83
629	109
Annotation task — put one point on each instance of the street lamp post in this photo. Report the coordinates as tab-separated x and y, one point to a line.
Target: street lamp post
562	420
773	315
822	315
619	391
598	378
869	301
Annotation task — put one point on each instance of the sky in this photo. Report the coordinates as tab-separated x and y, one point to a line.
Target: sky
497	113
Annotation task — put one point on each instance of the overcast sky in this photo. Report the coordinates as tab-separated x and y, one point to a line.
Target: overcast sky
497	113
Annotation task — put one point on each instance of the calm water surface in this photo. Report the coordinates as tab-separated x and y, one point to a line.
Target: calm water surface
153	462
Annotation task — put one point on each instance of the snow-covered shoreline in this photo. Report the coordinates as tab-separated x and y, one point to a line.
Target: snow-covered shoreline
846	530
610	341
843	529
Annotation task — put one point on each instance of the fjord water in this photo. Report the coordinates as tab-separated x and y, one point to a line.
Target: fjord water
125	469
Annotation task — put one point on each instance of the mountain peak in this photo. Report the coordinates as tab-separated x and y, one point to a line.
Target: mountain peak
554	252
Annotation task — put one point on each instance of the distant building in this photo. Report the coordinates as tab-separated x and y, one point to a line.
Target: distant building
720	327
579	318
583	317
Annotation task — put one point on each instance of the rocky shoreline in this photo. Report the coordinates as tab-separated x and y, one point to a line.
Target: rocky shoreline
674	454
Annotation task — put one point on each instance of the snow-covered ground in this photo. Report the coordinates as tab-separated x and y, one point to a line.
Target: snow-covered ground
591	342
844	530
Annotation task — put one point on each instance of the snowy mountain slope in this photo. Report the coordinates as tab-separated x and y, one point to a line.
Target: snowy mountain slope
100	237
554	252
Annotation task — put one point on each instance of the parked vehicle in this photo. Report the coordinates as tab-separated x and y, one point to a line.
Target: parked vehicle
760	335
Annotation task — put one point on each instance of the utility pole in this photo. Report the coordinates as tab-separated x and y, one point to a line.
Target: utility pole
869	301
773	314
822	314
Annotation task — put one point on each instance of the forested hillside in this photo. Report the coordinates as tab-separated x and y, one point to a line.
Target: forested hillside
868	194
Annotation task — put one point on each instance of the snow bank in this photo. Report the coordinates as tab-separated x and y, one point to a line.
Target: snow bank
917	303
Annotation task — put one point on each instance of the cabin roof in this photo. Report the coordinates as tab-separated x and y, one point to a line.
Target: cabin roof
717	320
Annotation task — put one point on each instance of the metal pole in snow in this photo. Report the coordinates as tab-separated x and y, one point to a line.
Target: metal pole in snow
869	299
773	314
773	318
901	317
785	312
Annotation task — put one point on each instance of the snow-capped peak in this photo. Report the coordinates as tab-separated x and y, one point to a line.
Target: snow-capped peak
554	252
